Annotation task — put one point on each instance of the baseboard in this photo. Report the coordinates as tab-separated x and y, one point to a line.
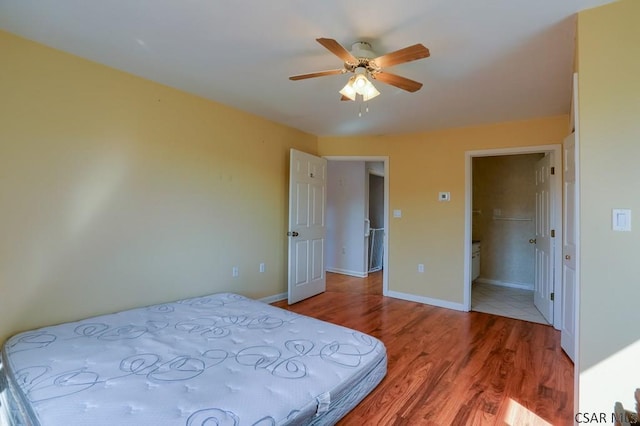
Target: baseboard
427	300
274	298
395	294
348	272
522	286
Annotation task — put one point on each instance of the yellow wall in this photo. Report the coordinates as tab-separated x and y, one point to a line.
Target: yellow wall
609	125
420	166
117	192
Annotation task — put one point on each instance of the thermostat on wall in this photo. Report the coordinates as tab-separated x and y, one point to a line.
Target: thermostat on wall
444	196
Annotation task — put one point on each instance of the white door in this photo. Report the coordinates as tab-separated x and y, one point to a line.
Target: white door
543	284
568	325
307	200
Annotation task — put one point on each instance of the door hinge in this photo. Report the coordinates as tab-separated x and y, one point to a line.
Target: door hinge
553	170
553	233
552	296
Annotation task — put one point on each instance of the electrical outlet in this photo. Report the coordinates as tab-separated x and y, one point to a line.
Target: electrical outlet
235	271
262	267
420	267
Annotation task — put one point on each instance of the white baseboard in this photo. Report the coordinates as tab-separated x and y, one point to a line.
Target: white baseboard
523	286
348	272
274	298
395	294
427	300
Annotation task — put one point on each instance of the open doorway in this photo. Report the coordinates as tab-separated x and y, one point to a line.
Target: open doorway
376	234
503	236
357	217
511	230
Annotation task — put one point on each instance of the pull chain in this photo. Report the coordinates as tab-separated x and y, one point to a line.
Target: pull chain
366	107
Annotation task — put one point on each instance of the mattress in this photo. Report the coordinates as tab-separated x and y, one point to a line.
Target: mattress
221	359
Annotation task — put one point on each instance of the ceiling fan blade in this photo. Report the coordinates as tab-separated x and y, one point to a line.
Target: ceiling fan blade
400	82
344	98
337	49
316	74
408	54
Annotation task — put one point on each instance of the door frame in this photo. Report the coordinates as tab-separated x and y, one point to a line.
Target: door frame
568	225
555	151
574	126
367	191
385	245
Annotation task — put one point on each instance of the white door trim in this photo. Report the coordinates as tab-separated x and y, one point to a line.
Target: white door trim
574	126
569	281
556	156
385	254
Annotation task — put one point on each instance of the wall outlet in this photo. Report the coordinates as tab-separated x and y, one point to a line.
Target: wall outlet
262	267
235	271
420	267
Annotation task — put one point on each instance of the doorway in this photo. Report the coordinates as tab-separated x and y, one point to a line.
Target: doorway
503	235
350	223
376	234
501	213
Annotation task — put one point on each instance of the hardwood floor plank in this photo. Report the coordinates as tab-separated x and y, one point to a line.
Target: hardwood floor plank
447	367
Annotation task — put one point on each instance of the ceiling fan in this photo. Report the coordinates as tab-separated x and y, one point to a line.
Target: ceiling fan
362	62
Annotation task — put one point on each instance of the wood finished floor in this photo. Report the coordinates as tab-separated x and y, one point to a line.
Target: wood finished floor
447	367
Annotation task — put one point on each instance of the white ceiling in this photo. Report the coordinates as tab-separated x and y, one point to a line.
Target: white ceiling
491	60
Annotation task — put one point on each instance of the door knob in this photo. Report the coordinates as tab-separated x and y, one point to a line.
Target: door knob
566	256
292	234
532	241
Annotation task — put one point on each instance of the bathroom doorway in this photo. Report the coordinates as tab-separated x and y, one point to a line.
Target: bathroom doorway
503	231
504	218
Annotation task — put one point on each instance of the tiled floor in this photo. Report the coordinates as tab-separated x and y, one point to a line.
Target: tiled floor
505	301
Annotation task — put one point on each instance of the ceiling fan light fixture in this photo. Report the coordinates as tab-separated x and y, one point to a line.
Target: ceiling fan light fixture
369	92
359	84
349	90
360	80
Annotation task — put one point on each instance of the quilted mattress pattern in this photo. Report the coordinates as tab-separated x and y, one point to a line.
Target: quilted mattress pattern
221	359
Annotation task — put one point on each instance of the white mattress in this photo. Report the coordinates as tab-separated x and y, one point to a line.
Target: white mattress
221	359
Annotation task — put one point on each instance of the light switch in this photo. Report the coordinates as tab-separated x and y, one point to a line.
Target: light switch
397	213
621	219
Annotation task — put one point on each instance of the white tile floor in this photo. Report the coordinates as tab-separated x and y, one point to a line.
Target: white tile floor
505	301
